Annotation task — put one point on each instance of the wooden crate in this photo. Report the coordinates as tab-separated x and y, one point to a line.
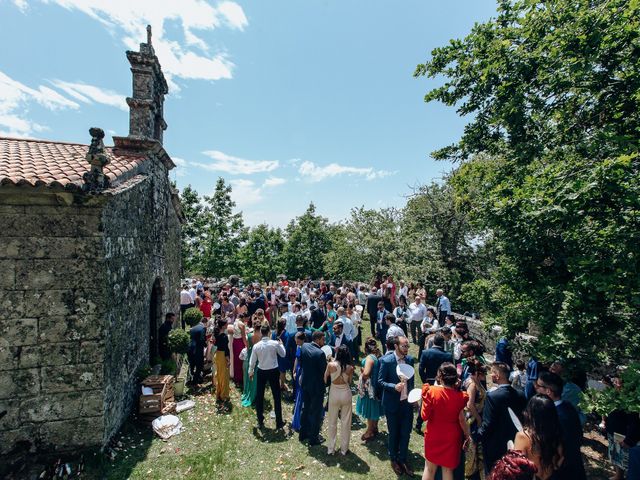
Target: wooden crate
154	402
158	379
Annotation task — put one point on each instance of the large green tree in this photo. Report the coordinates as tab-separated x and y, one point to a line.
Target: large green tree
553	89
307	243
192	229
223	233
261	256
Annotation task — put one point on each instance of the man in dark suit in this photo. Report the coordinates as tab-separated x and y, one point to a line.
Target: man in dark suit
313	363
551	384
398	410
430	361
318	315
196	351
497	427
338	337
372	310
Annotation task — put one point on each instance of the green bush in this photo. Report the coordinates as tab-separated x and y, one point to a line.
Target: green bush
143	372
179	341
192	316
168	367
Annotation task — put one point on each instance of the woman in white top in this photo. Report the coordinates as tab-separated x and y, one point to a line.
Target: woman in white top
341	372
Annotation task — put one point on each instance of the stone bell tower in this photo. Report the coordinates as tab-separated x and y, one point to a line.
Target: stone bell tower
146	118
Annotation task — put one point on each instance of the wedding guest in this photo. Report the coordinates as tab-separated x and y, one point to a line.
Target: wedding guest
340	371
443	411
265	358
313	362
541	439
398	410
368	406
222	360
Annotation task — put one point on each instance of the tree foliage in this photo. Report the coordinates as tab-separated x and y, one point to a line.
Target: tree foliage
223	233
192	228
261	257
307	243
554	91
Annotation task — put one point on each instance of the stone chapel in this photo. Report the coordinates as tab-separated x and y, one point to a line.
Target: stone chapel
89	264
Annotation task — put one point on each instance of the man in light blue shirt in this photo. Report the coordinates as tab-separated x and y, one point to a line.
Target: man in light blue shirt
290	318
444	306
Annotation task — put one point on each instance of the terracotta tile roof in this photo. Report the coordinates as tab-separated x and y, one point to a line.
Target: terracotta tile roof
42	163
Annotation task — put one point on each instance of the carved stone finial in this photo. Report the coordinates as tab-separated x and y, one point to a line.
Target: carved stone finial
149	34
95	180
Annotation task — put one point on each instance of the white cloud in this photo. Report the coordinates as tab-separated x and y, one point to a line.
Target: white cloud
316	173
233	14
90	94
184	57
245	193
181	166
15	98
21	4
235	165
274	181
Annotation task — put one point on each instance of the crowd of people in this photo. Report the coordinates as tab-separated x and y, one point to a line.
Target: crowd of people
479	418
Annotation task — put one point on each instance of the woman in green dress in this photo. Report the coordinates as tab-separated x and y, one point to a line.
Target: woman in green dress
367	405
250	385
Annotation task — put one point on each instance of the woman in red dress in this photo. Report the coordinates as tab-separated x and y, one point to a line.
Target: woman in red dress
443	411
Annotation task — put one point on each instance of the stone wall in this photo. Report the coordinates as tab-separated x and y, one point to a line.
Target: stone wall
51	327
75	290
142	244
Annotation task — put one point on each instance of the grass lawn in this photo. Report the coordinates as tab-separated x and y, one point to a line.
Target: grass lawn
216	444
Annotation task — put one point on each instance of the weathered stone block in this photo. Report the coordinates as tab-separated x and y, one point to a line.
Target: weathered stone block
52	354
11	420
23	438
62	406
11	304
48	247
20	383
90	302
39	303
68	434
29	225
7	274
22	331
90	352
90	247
9	247
51	274
11	209
89	225
71	327
72	378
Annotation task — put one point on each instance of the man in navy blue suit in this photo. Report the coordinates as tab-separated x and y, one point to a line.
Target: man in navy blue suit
497	428
398	410
313	362
551	384
338	337
430	361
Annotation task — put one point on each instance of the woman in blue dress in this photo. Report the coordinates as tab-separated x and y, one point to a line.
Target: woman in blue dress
367	405
297	378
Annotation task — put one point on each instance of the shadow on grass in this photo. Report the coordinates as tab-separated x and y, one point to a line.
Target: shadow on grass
128	448
270	436
350	462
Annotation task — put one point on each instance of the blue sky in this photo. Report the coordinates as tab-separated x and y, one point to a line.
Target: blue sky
289	101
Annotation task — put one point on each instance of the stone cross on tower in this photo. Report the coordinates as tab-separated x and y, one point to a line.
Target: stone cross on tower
146	106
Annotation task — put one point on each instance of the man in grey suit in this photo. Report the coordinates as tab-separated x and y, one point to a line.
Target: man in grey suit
313	363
